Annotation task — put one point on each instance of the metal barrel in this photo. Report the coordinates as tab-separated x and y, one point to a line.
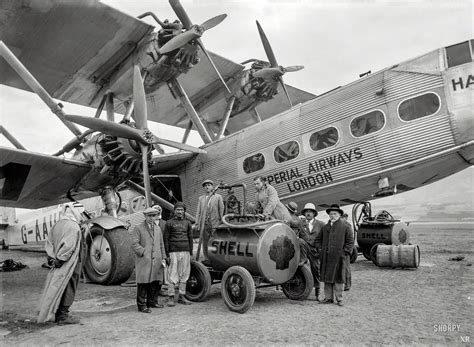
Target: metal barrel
405	256
369	234
271	252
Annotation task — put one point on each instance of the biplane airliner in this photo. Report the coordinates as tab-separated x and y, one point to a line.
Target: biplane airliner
391	131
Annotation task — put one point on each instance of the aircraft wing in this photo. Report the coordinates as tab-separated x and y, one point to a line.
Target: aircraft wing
34	180
68	46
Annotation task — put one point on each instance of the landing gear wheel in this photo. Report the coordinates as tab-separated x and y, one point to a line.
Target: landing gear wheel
354	255
373	252
109	258
238	289
299	287
199	282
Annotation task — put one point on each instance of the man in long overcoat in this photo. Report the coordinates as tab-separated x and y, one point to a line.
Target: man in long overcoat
210	210
335	242
147	243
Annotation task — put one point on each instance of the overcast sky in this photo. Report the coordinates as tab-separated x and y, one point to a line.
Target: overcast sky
334	40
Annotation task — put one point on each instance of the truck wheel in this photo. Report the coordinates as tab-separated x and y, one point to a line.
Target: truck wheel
366	253
199	282
354	255
109	258
299	287
238	289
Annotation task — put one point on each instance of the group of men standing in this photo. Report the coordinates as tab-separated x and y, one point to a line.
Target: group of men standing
326	247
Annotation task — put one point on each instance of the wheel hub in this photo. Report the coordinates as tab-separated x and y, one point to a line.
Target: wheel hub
100	255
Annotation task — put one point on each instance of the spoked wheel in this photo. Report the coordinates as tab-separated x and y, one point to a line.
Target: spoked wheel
109	258
199	282
299	287
238	289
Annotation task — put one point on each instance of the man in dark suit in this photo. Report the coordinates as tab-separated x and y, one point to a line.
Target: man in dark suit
311	229
335	242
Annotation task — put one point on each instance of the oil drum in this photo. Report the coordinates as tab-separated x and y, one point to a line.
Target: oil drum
271	251
372	232
405	256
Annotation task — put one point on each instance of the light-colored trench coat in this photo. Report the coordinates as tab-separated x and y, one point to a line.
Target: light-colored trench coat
272	207
149	252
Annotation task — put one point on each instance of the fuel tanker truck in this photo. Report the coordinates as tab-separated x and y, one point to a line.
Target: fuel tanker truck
245	253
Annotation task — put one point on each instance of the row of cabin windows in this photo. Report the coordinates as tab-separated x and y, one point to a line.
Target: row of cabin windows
408	110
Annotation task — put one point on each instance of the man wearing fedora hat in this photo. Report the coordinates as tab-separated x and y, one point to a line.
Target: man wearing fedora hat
311	229
295	221
210	210
147	243
335	242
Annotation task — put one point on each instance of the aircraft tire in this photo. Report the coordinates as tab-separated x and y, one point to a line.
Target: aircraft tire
299	287
238	289
354	255
199	282
109	259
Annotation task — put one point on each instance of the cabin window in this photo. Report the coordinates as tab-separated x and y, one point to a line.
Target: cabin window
419	106
286	151
458	54
254	163
367	123
324	138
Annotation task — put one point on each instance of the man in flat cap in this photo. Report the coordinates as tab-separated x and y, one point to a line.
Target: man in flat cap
178	239
335	242
209	213
310	231
148	245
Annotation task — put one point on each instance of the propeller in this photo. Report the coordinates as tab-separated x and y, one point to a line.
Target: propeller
193	32
275	71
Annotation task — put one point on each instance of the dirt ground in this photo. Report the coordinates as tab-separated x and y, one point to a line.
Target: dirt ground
384	306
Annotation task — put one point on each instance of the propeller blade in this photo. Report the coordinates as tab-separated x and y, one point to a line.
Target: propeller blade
181	13
286	91
178	145
179	41
267	47
211	23
213	65
106	127
293	68
139	99
268	73
146	174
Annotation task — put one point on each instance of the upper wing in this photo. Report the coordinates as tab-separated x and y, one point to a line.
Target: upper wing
68	46
33	180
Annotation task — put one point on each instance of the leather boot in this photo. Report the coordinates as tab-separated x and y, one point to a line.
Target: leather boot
316	293
170	301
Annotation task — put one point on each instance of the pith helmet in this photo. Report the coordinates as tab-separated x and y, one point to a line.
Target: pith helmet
309	206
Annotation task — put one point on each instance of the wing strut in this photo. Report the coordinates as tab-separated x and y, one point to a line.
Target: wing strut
11	138
179	92
228	111
33	83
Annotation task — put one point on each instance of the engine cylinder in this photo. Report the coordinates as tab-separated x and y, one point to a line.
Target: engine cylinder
271	252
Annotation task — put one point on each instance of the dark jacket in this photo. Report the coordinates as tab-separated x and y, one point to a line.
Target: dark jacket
149	252
178	236
335	243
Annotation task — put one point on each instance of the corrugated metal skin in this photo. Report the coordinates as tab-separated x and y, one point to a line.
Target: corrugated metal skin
397	143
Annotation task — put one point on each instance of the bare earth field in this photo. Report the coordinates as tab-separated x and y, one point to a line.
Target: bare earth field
384	306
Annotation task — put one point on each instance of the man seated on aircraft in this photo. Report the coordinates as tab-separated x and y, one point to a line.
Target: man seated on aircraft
178	239
210	210
311	229
335	242
148	245
63	247
267	198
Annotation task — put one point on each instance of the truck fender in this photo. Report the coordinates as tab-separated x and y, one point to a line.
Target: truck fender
108	222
